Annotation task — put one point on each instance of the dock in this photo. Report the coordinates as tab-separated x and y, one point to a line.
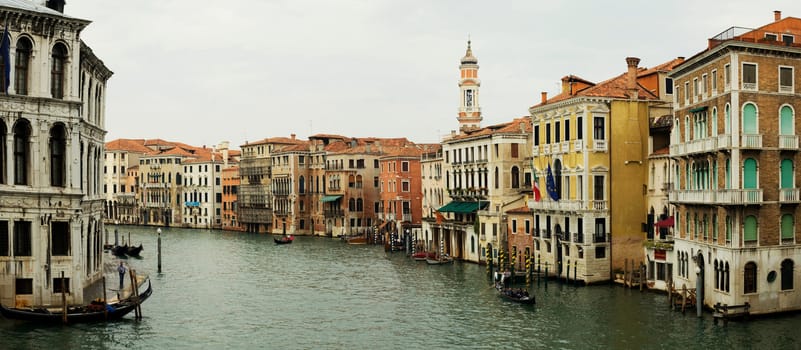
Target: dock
731	312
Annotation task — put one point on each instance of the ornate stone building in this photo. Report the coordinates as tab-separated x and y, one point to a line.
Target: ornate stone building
52	118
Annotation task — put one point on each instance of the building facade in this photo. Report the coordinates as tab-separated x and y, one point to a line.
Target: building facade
230	205
734	150
52	133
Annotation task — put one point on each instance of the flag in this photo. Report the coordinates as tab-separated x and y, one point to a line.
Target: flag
550	185
536	187
5	52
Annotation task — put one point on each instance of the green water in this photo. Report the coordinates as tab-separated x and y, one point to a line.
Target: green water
221	290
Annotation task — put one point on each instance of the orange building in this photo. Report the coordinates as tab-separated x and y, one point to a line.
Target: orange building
400	182
230	185
519	222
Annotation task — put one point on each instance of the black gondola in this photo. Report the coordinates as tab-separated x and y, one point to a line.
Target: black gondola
134	251
514	294
120	250
284	240
81	314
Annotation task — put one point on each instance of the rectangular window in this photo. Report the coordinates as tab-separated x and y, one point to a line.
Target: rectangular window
714	82
557	126
687	92
4	238
536	135
547	134
696	89
749	76
514	150
771	37
727	76
60	238
514	226
785	79
57	283
567	129
405	166
600	252
598	187
704	79
405	186
579	128
22	238
787	39
598	128
24	286
668	86
528	227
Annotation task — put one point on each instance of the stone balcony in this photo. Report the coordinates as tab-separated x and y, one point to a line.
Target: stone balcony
723	197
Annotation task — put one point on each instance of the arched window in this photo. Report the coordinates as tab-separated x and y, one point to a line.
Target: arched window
750	173
786	121
23	59
750	278
749	119
58	70
22	135
750	229
787	274
515	177
301	184
726	277
359	204
58	150
714	121
786	173
727	119
686	128
787	227
352	204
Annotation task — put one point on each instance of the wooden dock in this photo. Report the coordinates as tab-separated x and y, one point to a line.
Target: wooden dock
731	312
681	299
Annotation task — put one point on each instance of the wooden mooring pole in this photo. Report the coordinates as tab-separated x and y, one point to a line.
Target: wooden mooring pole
159	249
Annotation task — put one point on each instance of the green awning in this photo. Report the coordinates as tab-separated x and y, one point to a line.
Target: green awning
330	198
698	109
462	207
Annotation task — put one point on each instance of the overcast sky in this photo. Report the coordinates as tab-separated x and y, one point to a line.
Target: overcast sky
202	71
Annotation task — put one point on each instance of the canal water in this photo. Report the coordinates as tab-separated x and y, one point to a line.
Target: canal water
241	291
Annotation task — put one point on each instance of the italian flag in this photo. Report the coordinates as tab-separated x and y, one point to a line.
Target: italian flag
536	187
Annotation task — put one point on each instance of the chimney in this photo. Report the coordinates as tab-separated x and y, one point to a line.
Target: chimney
777	15
631	80
292	136
544	97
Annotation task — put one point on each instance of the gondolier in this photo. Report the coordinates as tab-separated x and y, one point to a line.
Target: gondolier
122	270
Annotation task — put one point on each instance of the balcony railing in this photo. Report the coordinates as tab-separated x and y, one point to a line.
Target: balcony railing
600	238
566	205
565	146
599	145
578	145
407	217
785	89
578	238
788	142
727	196
599	205
752	141
535	151
788	195
546	149
333	213
724	141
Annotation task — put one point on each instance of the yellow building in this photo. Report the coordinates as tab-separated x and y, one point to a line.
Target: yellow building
590	152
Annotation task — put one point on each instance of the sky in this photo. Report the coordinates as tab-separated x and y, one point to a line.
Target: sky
202	72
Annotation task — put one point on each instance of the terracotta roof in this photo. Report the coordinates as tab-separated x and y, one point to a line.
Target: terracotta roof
664	67
130	145
520	210
275	140
294	148
394	152
512	127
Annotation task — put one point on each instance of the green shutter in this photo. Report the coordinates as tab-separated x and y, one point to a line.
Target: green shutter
749	119
750	231
787	173
749	173
787	226
786	121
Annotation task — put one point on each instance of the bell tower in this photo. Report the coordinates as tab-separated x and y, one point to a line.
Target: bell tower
469	110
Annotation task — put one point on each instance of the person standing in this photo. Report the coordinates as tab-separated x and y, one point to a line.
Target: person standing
122	270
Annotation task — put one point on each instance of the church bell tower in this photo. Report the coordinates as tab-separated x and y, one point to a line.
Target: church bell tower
469	110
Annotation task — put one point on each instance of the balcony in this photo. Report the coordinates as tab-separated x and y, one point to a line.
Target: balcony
535	151
751	141
724	141
789	195
562	205
578	238
546	149
566	147
407	217
598	205
578	145
600	238
788	142
727	196
333	213
599	145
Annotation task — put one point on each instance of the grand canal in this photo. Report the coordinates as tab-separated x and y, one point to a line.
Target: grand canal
241	291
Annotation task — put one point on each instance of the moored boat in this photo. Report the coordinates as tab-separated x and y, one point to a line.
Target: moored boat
357	240
134	251
94	312
422	256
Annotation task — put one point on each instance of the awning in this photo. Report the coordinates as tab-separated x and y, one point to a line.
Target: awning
462	207
665	223
330	198
698	109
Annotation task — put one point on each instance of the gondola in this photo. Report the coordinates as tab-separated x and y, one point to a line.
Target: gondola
514	294
442	260
422	256
120	250
95	312
134	251
284	240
